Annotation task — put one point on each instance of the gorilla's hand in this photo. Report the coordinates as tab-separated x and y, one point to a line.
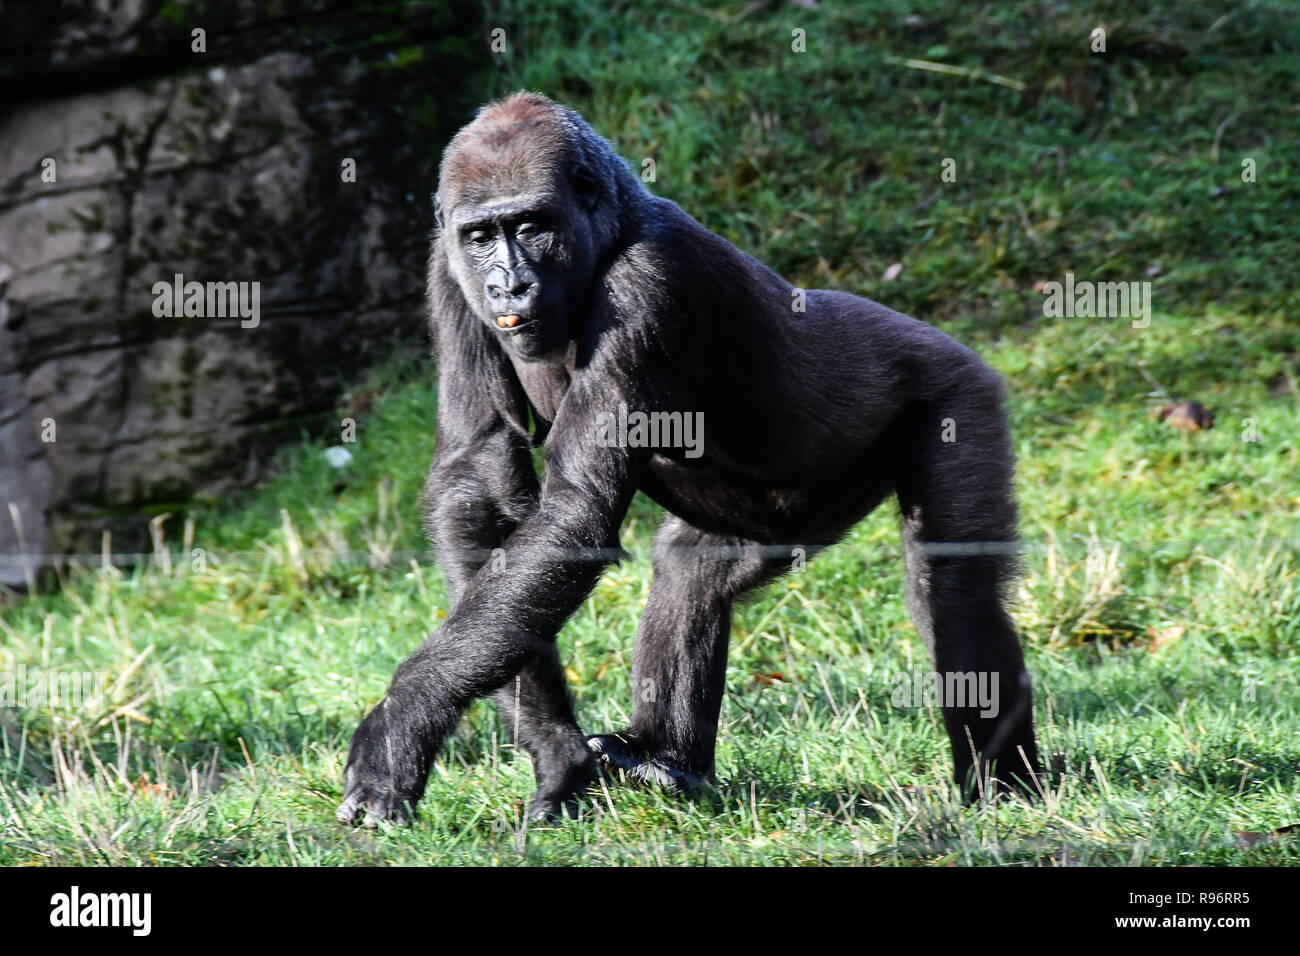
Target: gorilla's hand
387	768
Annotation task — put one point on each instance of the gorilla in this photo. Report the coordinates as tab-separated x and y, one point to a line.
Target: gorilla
564	299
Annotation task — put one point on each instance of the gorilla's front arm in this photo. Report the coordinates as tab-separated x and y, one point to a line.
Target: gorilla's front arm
507	615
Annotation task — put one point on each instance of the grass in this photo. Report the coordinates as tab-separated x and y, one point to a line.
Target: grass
1160	605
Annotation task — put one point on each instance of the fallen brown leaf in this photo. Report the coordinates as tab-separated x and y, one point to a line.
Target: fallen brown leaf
1165	637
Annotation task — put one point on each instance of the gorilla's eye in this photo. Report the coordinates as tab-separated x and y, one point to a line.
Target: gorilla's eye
480	237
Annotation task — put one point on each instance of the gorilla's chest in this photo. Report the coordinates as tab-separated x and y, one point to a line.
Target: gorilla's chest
545	381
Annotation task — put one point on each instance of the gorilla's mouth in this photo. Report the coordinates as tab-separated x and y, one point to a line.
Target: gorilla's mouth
517	326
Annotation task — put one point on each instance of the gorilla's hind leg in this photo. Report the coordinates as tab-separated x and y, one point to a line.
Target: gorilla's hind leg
680	662
536	709
959	536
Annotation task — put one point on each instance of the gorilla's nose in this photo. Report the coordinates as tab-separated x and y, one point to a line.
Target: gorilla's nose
517	289
514	305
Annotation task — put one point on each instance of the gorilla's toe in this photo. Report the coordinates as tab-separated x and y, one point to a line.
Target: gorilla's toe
370	808
622	754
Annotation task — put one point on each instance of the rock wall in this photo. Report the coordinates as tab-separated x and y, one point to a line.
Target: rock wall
128	157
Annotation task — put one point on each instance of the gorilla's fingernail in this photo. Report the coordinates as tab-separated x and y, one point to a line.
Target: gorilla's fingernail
507	321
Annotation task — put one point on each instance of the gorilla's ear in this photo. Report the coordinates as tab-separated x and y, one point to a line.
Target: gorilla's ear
586	186
437	210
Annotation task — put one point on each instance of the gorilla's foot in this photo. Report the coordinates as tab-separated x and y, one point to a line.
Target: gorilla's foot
1029	783
561	785
624	753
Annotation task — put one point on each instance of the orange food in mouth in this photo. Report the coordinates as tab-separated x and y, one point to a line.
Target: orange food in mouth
507	321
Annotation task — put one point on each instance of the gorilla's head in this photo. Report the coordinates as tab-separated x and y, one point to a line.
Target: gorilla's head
527	206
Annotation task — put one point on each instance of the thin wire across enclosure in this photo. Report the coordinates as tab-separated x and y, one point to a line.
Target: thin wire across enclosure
771	552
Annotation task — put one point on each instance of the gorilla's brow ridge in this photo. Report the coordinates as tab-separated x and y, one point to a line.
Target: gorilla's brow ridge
470	214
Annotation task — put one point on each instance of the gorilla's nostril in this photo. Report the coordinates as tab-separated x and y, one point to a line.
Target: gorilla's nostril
516	290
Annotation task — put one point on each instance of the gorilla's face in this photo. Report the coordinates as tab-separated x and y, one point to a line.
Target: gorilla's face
523	258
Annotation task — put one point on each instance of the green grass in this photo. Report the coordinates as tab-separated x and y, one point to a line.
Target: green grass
1160	605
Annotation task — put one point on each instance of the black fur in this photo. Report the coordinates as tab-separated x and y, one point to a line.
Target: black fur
811	419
